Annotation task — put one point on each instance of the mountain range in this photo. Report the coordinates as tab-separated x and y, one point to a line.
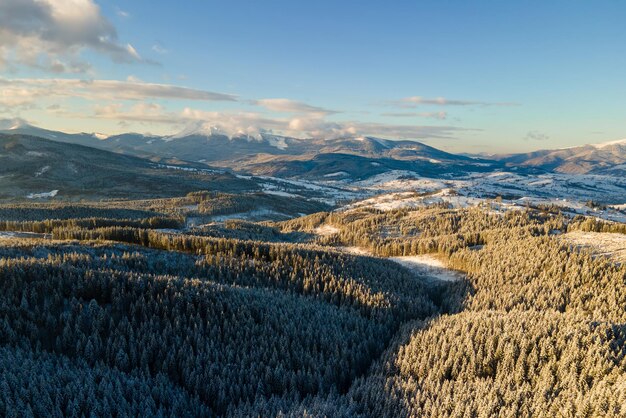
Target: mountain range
34	167
357	157
604	158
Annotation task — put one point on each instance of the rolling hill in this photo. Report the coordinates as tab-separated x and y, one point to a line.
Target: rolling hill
605	158
37	168
318	157
271	154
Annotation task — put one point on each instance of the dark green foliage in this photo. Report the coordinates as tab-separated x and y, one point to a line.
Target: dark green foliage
213	204
223	344
48	385
42	212
596	225
49	226
238	327
250	231
485	364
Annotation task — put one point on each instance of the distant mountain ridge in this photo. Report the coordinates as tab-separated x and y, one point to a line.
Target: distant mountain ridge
602	158
269	154
34	167
287	156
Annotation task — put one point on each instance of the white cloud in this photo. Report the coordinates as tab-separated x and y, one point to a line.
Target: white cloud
51	34
430	115
158	48
291	106
122	13
27	91
255	124
415	101
536	136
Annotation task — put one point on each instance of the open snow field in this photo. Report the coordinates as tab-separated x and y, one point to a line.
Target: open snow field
601	243
423	265
427	265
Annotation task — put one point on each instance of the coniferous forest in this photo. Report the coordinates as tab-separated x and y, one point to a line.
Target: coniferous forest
129	312
312	209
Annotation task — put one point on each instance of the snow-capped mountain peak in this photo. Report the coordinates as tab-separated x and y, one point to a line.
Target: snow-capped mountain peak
199	128
619	142
13	124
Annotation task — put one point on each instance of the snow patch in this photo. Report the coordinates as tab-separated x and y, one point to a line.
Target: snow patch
326	230
355	251
428	265
337	174
610	143
42	171
11	234
35	154
42	195
280	193
608	244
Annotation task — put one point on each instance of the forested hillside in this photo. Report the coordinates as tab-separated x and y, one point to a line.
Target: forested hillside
115	311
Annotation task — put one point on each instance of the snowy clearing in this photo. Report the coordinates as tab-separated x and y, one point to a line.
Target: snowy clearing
337	174
253	215
42	171
10	234
42	195
428	265
612	245
326	230
355	251
422	265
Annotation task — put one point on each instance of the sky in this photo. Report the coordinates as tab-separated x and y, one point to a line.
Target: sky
464	76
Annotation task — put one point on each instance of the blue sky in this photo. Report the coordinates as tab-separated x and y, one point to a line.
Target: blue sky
481	76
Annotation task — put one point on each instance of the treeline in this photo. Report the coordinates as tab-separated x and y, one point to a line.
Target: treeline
50	225
596	225
406	232
373	286
239	328
542	335
491	363
42	384
214	323
64	211
542	273
214	204
250	231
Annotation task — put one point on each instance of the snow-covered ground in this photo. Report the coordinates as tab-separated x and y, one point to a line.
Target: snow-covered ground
326	230
355	251
427	265
601	243
253	215
42	195
399	180
397	189
410	200
319	191
422	265
42	171
190	169
9	235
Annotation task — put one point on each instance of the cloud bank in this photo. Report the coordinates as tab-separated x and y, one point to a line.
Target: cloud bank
51	34
255	124
415	101
28	91
292	106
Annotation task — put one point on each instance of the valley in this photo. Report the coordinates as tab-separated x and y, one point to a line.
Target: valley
213	291
315	209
